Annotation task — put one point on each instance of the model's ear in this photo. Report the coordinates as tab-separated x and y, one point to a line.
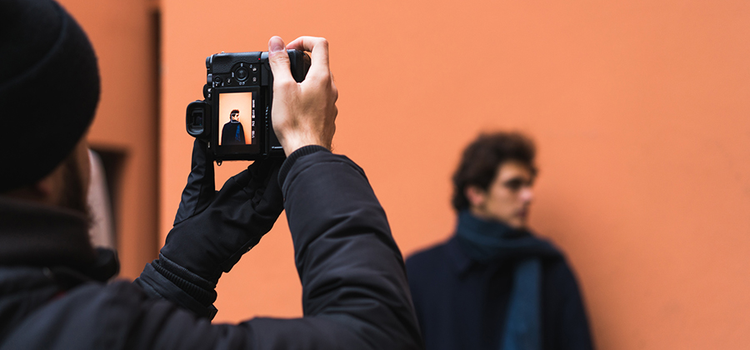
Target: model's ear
475	195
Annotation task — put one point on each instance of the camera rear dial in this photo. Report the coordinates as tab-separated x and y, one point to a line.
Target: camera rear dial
243	71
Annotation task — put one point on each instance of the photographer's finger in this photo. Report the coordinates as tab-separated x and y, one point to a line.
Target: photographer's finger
261	168
200	188
278	58
318	48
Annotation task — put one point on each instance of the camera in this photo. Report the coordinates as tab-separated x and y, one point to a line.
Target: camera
234	117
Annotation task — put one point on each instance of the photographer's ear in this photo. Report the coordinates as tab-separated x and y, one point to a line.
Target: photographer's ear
279	60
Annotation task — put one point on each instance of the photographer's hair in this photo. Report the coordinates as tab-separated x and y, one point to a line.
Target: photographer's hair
234	111
482	158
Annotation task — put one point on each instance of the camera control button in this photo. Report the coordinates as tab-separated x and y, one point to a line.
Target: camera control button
241	72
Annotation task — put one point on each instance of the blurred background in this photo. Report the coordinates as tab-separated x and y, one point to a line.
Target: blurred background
640	110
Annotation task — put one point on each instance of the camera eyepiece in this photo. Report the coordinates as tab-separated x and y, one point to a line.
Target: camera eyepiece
196	115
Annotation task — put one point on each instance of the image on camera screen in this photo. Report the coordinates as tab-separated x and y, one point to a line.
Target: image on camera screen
236	118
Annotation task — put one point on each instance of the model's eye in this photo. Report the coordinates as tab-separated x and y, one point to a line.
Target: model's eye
514	184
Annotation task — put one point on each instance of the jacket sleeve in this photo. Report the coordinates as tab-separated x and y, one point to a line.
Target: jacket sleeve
355	292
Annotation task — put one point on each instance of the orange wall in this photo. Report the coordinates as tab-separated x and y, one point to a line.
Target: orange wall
639	108
123	37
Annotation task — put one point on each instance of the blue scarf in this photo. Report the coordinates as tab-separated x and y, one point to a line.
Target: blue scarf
237	132
486	241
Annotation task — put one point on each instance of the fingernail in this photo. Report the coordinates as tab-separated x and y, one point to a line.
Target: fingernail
275	44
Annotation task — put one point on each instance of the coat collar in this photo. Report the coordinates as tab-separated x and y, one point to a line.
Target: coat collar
460	261
34	234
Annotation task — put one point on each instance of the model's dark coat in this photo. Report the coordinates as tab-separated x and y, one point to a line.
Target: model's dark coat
462	304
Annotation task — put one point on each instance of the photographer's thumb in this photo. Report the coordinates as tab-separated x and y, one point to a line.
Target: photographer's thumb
279	60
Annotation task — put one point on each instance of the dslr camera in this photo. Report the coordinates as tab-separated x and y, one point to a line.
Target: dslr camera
234	117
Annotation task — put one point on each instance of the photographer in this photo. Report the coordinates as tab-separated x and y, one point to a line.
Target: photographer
52	289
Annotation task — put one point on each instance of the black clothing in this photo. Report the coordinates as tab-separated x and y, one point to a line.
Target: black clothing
230	221
355	294
233	134
47	57
463	304
488	240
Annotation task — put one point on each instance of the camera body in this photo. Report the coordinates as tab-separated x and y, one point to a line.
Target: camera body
235	115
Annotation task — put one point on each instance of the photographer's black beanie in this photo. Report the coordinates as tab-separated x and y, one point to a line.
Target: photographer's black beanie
49	89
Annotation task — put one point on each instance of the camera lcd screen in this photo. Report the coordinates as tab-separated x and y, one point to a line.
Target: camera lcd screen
236	119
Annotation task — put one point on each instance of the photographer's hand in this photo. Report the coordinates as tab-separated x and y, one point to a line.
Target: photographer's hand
303	113
212	230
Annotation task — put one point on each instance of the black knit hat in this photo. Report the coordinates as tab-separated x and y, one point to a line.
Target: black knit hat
49	89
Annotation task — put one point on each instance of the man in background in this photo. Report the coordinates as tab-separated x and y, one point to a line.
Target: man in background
494	284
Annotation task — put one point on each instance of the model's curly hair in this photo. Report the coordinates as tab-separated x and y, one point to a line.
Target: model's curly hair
482	158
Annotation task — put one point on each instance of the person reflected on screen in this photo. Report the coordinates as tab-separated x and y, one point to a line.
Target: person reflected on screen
233	133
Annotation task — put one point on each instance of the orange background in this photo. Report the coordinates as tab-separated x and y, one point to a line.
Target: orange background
125	38
639	109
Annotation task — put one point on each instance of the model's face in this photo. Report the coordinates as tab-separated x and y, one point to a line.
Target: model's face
235	117
508	197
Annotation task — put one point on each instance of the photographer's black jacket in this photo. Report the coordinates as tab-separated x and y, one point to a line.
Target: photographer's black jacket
355	293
